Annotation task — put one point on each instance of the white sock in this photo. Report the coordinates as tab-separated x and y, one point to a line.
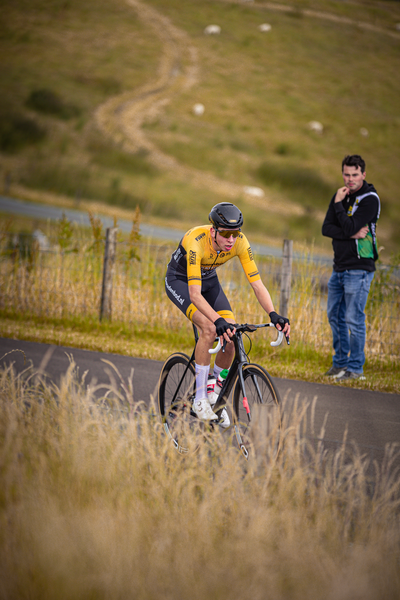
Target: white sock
217	371
201	380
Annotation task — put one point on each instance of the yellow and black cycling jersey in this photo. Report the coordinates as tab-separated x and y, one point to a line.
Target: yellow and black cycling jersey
196	259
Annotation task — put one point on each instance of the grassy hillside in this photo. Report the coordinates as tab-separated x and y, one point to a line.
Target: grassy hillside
96	103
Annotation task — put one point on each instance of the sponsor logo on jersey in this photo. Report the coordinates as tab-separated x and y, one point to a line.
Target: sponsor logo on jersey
177	254
192	257
200	236
250	253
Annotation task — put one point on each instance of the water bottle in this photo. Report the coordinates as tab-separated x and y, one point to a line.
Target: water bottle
213	397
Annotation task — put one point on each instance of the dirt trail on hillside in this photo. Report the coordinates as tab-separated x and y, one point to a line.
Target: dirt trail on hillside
121	117
317	14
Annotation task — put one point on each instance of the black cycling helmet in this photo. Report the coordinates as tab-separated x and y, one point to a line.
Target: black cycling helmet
226	216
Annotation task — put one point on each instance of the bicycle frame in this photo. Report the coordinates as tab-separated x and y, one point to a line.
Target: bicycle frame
240	359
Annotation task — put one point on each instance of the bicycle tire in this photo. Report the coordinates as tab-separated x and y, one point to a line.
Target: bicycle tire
180	423
261	433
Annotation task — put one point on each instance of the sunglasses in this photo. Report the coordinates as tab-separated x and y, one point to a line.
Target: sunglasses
227	234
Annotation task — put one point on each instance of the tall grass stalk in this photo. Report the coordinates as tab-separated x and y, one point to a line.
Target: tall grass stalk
95	502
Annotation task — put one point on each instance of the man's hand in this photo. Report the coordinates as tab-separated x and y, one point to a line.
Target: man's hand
224	329
361	234
341	194
281	323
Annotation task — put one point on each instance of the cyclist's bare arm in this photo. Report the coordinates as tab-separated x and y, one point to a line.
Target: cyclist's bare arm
264	298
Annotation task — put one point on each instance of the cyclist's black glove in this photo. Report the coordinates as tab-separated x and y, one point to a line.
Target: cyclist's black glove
278	320
222	326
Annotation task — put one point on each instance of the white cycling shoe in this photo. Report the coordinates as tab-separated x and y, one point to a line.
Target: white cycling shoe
203	410
225	420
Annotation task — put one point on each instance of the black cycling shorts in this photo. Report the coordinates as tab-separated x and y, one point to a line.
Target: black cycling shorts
178	292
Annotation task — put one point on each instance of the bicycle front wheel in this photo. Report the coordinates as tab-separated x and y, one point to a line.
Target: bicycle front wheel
176	392
257	412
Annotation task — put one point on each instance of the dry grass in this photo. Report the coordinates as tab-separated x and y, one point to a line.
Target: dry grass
96	503
54	297
68	283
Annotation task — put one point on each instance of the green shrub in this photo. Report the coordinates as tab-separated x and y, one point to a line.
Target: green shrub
49	102
17	131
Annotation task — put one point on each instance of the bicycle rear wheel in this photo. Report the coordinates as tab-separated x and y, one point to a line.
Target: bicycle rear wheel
257	416
176	392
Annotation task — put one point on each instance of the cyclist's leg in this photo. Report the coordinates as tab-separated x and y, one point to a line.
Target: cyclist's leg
178	292
215	296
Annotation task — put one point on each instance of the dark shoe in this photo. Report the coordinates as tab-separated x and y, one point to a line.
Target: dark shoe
336	371
349	375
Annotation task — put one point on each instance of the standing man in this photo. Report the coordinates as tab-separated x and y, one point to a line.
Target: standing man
351	223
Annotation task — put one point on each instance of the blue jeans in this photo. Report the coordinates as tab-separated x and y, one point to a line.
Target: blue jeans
347	297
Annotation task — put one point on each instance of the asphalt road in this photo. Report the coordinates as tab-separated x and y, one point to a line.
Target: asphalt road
372	419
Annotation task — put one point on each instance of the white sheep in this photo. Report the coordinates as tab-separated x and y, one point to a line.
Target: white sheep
251	190
212	30
41	240
198	109
264	27
316	126
364	132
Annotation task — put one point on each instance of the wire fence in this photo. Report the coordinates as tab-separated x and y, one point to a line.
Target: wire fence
41	279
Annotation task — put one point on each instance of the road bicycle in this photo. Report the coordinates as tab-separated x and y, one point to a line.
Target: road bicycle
248	393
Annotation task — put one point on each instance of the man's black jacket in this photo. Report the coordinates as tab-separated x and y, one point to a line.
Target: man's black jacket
346	218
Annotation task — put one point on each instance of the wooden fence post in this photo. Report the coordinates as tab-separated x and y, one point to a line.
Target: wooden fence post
108	272
286	277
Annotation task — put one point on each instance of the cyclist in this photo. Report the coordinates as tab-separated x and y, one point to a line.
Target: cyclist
192	284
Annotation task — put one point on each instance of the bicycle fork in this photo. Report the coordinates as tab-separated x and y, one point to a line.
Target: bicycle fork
242	385
257	387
